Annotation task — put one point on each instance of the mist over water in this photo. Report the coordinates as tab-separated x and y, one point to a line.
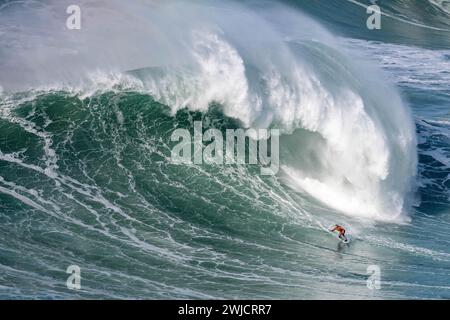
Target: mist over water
242	60
85	171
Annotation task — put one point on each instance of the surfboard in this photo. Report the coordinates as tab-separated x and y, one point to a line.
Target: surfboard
345	241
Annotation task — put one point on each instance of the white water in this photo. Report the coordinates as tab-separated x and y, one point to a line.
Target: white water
269	67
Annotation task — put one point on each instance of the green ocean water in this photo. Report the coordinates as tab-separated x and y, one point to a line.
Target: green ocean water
86	176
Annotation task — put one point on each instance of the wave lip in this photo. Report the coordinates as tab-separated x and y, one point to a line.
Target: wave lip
349	141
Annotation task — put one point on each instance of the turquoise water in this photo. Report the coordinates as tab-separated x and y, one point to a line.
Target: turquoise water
85	171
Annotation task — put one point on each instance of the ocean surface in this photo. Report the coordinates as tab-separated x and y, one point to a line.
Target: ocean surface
87	179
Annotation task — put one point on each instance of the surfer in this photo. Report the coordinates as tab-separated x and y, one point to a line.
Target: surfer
341	231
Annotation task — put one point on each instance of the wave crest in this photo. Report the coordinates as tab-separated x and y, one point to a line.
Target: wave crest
349	140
